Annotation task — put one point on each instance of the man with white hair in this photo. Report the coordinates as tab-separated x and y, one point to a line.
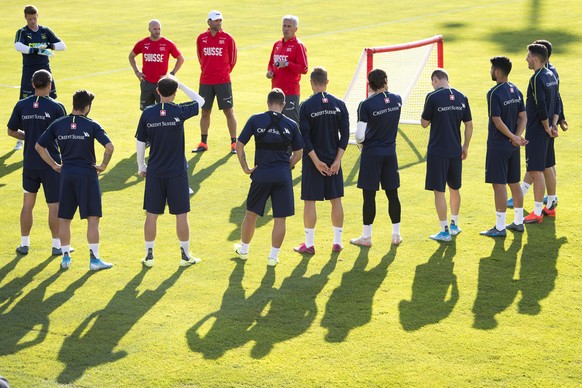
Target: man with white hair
156	51
287	62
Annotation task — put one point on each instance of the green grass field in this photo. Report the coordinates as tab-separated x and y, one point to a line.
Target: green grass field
474	312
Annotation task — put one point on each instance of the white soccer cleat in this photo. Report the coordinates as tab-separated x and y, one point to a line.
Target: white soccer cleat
362	241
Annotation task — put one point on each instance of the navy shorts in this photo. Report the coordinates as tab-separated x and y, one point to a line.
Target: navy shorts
148	94
291	109
79	190
536	153
282	199
376	169
317	187
551	157
174	190
49	178
502	167
441	171
222	92
26	88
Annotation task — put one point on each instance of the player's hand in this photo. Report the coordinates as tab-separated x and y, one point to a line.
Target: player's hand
100	168
142	171
564	125
46	52
269	74
323	168
464	153
249	170
518	141
335	167
57	167
139	76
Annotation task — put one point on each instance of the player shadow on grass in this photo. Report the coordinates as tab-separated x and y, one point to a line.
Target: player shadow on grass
121	176
13	289
237	314
195	179
293	308
6	170
94	341
31	315
538	271
238	213
434	291
351	303
496	288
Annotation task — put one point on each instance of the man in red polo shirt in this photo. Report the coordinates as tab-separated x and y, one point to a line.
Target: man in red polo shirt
217	55
156	51
287	62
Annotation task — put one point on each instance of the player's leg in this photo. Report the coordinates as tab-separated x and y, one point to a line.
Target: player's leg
394	211
51	182
205	123
368	216
232	125
337	221
207	92
435	181
517	224
292	107
26	221
454	179
277	237
226	104
536	156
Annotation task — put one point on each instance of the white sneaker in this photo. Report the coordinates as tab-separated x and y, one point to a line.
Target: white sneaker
396	239
242	256
148	261
362	241
272	262
19	145
188	259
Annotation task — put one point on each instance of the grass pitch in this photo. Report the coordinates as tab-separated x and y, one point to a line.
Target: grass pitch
473	312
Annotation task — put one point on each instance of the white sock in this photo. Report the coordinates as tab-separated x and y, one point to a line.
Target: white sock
518	219
25	241
367	231
309	237
396	228
455	219
337	235
274	252
56	243
244	248
551	200
94	248
149	245
185	245
500	223
538	208
444	224
525	187
66	249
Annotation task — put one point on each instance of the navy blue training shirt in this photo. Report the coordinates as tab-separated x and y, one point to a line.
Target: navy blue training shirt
505	101
381	112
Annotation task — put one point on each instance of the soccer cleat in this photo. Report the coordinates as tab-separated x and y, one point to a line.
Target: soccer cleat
201	147
19	145
510	203
362	241
233	148
493	232
96	264
66	262
23	249
396	239
304	249
455	230
272	262
148	261
442	235
549	212
514	227
337	247
531	218
188	259
59	251
242	256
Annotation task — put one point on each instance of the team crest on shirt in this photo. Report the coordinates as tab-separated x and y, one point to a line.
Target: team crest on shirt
386	100
43	36
35	105
162	47
162	112
324	100
220	41
452	97
511	90
289	49
73	125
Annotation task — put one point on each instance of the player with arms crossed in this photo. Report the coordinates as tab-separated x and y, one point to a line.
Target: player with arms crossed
507	121
156	51
75	136
378	118
217	56
325	127
30	118
36	43
287	62
444	110
543	112
162	126
271	175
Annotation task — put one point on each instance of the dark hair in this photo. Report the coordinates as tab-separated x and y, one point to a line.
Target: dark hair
82	99
276	96
167	85
319	75
440	74
30	10
377	79
502	63
545	43
41	79
539	50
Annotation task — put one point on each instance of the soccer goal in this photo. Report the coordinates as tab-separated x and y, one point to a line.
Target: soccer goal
409	66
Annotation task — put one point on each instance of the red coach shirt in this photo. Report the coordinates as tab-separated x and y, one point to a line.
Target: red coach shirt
217	56
287	78
156	55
